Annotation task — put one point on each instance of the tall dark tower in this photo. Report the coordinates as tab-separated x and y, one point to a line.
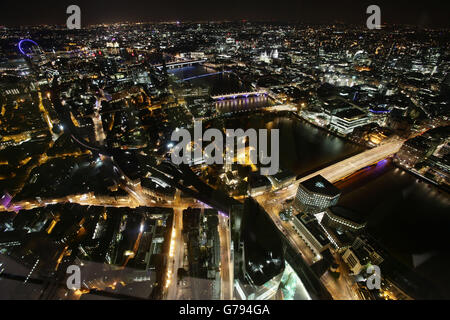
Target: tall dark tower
258	253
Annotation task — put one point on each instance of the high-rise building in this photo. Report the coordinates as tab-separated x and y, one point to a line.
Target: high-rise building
258	254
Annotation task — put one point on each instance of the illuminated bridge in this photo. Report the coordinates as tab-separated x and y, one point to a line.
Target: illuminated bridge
340	170
240	94
353	164
203	76
181	64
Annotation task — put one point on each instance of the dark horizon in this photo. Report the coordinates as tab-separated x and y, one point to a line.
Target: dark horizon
429	14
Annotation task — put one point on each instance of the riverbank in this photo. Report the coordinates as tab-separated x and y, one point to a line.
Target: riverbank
422	177
336	134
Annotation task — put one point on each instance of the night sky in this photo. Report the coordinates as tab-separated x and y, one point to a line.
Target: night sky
426	13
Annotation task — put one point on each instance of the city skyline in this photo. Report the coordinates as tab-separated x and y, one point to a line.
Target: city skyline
225	160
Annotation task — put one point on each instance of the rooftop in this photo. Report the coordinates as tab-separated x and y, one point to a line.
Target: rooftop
347	214
351	114
319	184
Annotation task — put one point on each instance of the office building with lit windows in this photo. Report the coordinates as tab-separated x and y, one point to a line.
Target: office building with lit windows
342	219
346	121
360	255
315	195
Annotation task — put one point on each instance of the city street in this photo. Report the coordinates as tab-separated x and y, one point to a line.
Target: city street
176	254
226	269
